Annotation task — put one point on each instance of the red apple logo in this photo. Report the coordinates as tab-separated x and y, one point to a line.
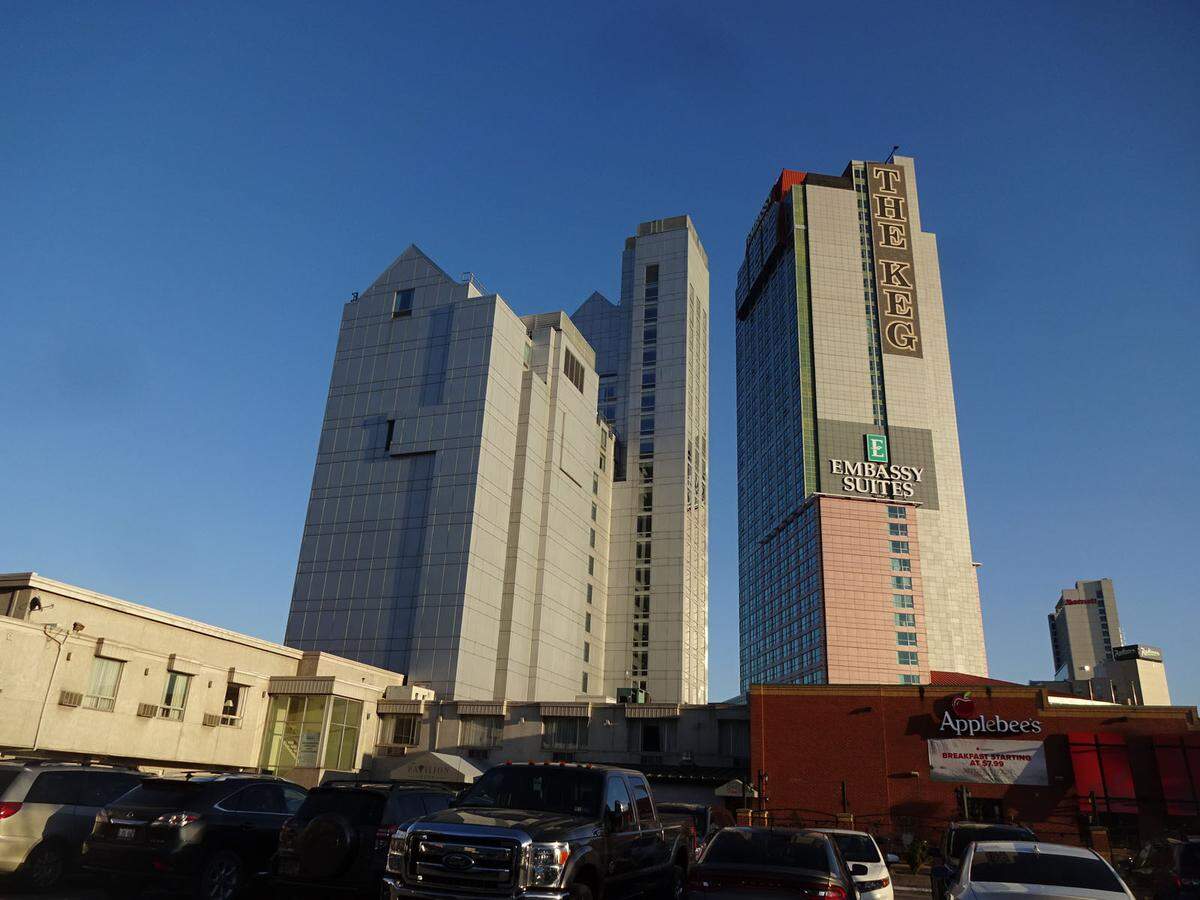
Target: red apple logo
964	706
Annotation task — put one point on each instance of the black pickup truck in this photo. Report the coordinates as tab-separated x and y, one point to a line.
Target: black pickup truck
550	831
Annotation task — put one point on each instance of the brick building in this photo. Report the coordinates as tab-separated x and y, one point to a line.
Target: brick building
898	759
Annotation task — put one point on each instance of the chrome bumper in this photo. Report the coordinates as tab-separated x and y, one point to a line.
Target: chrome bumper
398	890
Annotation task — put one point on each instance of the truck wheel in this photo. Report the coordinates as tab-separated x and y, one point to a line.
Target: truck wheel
678	881
581	892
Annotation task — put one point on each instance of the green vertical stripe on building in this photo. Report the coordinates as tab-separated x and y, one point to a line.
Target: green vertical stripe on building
808	388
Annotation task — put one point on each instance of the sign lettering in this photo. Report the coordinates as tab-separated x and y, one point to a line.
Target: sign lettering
891	235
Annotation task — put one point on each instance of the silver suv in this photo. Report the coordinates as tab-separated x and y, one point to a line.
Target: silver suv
46	811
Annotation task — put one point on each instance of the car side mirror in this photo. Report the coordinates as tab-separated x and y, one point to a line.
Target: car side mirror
942	873
858	869
891	859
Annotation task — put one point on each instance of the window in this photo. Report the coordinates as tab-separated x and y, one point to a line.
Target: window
592	538
618	808
54	788
641	664
643	550
646	449
648	401
564	732
897	512
174	696
641	578
593	512
642	802
897	530
649	356
641	634
589	593
587	622
649	336
584	684
641	605
481	732
910	679
906	657
258	798
905	620
591	565
651	314
906	638
528	355
231	706
587	652
647	472
341	744
902	601
898	546
573	369
102	684
643	525
647	500
603	460
406	730
901	583
402	303
647	425
595	483
648	379
901	565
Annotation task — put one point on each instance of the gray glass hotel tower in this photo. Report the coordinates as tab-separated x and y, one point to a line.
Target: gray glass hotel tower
854	552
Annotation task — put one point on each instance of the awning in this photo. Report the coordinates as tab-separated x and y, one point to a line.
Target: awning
1178	758
1103	775
430	765
735	787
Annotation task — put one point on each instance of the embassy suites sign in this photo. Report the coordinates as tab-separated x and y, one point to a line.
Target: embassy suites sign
891	243
876	476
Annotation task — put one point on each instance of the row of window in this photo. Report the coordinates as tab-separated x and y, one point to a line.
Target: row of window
104	680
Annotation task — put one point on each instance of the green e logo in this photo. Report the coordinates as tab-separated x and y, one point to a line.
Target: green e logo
877	448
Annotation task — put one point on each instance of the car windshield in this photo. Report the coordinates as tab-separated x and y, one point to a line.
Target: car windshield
857	848
964	837
573	792
165	793
1048	869
768	848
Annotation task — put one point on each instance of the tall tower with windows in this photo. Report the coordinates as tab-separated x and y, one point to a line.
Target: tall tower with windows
652	364
855	562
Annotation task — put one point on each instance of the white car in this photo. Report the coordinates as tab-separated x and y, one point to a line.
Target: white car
859	848
992	870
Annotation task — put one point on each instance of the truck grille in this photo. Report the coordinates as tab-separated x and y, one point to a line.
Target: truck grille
485	866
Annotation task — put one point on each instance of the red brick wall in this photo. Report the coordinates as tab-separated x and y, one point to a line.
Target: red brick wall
809	739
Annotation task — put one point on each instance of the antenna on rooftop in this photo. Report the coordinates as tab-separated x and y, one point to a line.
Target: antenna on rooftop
892	155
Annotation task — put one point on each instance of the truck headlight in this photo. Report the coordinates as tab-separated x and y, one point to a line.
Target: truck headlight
397	847
546	863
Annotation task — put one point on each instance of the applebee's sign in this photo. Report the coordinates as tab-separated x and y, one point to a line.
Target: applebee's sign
961	718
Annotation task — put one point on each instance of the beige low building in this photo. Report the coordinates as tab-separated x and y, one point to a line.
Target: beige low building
84	674
87	676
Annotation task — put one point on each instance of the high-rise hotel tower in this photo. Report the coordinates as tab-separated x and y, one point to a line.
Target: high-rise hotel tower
854	551
515	507
652	365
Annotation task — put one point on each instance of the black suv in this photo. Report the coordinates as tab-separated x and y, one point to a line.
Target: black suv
338	840
211	832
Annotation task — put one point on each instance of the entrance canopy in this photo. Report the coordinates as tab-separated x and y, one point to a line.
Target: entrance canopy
736	788
432	766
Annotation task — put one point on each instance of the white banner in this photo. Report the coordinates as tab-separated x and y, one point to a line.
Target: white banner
988	762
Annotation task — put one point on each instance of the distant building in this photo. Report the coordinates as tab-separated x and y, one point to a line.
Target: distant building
1082	629
855	562
88	676
457	528
515	507
652	361
1134	676
85	675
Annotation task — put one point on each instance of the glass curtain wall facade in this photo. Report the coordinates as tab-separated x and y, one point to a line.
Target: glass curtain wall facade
848	441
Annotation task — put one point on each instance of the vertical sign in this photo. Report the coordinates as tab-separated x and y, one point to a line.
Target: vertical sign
891	239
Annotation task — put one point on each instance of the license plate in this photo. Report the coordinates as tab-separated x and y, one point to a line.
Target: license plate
126	834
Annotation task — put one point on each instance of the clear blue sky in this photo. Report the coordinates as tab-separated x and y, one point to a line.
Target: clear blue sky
189	192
